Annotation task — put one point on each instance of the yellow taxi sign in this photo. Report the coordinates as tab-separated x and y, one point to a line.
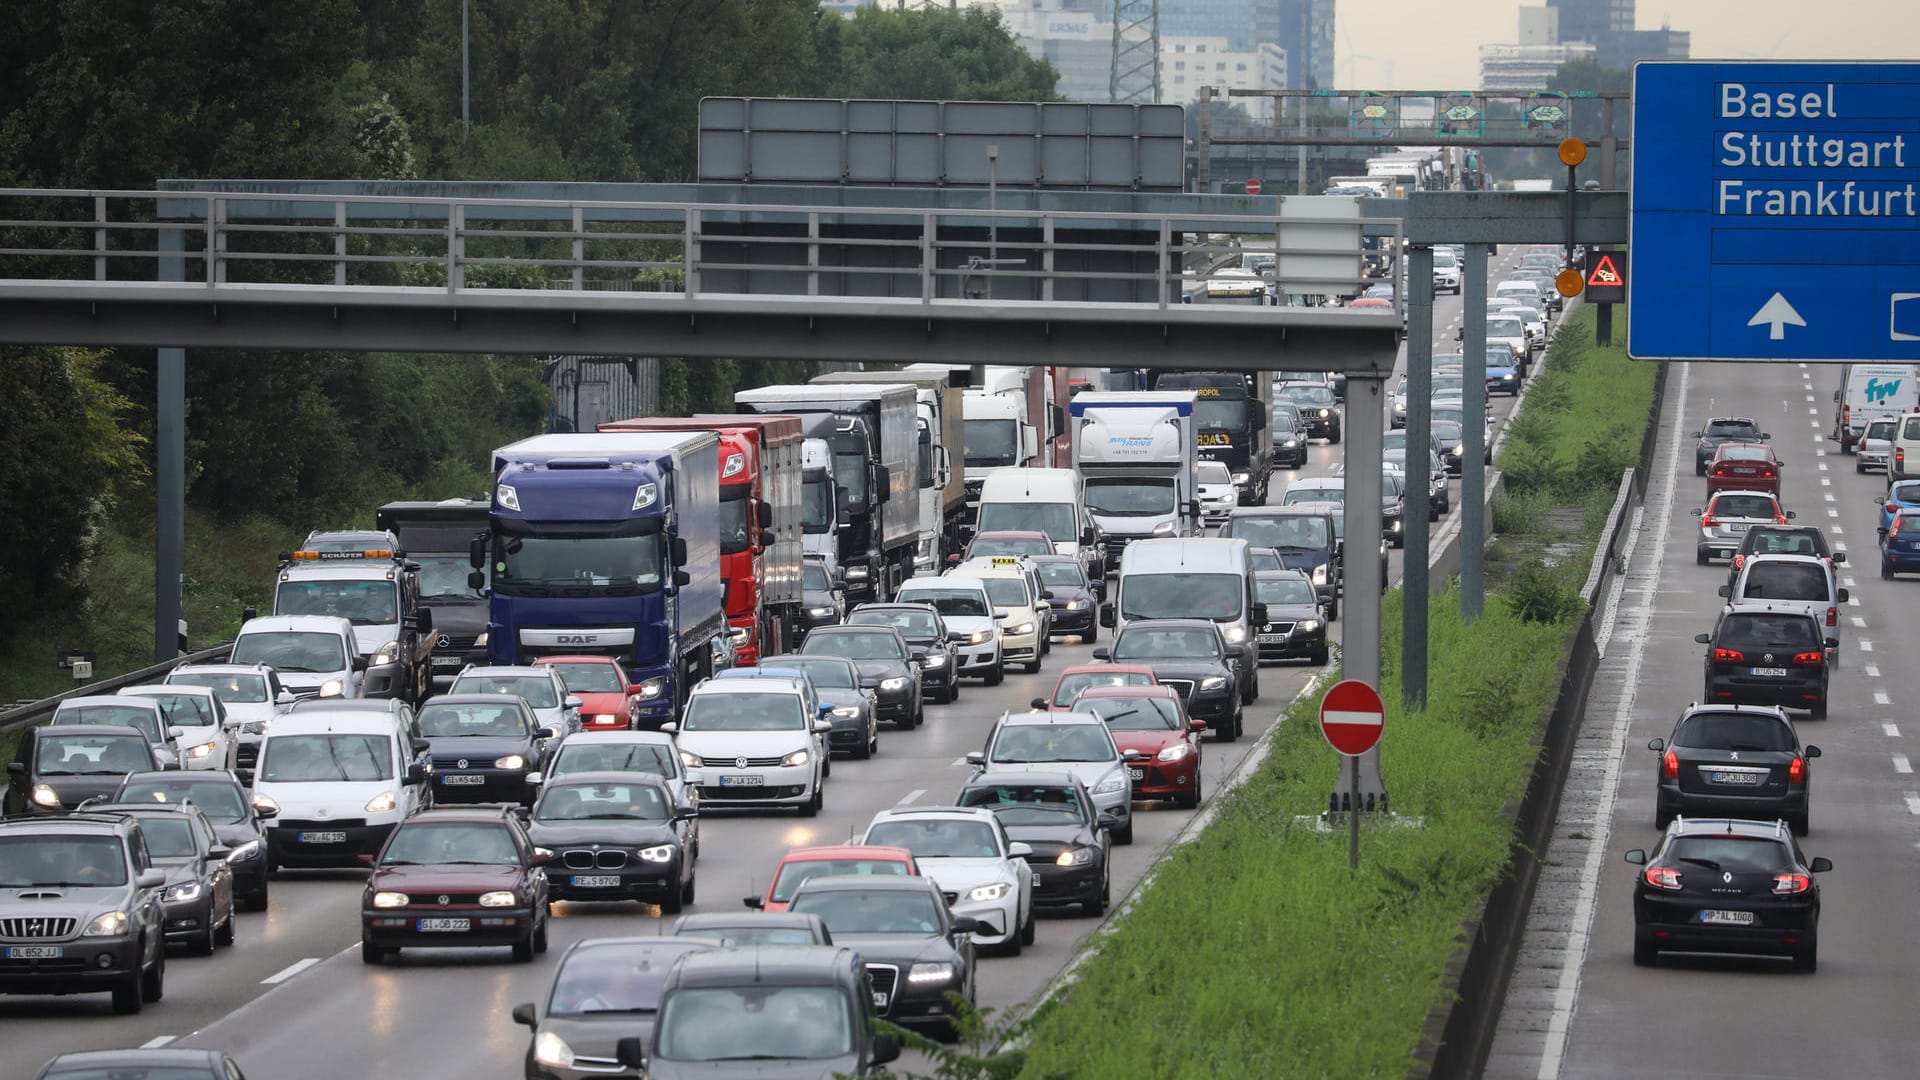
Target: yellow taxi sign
1005	560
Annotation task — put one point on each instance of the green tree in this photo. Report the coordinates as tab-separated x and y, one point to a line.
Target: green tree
940	55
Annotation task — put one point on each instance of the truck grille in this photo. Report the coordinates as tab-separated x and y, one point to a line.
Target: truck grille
30	928
581	859
886	978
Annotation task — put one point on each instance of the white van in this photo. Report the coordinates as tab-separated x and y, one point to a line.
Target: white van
314	654
1867	391
339	776
1052	501
1193	578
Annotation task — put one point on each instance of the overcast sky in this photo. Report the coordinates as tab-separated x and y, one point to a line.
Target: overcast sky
1424	45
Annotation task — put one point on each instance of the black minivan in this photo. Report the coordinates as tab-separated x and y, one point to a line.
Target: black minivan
1758	655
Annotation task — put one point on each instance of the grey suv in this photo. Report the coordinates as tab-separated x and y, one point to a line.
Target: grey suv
80	909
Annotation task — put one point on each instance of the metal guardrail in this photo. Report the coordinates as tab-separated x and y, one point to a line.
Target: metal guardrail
25	716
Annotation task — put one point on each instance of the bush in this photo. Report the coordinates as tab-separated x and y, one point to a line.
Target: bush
1538	593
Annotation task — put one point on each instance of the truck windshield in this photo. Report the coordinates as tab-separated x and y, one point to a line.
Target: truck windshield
444	577
926	456
990	442
816	504
1212	413
1181	596
366	603
736	531
1054	519
850	472
604	565
1126	496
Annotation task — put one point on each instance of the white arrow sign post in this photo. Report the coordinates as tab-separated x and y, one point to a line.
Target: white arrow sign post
1776	315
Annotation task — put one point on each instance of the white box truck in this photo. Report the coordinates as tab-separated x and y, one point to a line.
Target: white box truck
1867	391
1135	451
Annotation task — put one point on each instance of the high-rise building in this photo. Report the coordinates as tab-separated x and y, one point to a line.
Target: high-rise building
1189	63
1305	29
1526	68
1539	26
1592	20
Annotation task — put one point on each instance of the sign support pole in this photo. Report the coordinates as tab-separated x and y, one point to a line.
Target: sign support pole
1413	519
1353	813
1473	435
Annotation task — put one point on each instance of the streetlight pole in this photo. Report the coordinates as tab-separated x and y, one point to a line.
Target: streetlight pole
466	100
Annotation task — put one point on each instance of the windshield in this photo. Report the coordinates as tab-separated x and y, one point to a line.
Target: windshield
856	646
443	843
1225	414
366	603
816	505
458	721
535	690
778	1023
444	577
577	757
736	526
1743	452
1315	494
829	672
1153	643
41	860
878	912
936	838
83	755
292	650
589	678
813	577
1785	581
987	546
949	601
1181	596
913	625
1318	396
1505	328
1011	592
168	837
1034	743
231	689
1778	542
1284	591
1073	682
744	711
850	472
615	978
1213	472
219	799
185	710
1133	714
1054	519
141	720
1121	496
1062	572
798	872
1296	532
603	802
1733	731
316	758
594	565
988	443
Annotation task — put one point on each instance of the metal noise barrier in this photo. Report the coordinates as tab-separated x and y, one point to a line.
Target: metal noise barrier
26	716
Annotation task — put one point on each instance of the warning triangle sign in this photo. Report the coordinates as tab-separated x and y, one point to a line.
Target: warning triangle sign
1604	273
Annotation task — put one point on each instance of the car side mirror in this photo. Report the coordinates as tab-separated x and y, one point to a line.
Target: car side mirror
1636	856
1196	725
540	857
535	779
1103	653
1765	435
1002	616
285	697
1810	751
266	813
1693	434
420	746
151	878
1019	849
884	1048
977	758
1656	745
1879	500
967	924
16	768
1842	594
523	1015
757	903
682	579
364	859
1106	615
956	637
1038	703
631	1052
1695	511
359	663
546	733
416	774
1704	639
1259	614
180	732
1820	865
1833	643
573	702
1839	558
918	655
669	727
1725	590
1133	755
1791	515
1086	535
822	727
1046	594
423	620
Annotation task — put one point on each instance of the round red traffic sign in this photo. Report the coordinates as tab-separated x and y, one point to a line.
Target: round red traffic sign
1352	717
1253	186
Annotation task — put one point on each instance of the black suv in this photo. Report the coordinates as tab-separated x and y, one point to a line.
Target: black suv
917	952
1722	430
1759	656
1739	760
80	910
1189	656
1721	885
58	768
1307	540
239	825
923	629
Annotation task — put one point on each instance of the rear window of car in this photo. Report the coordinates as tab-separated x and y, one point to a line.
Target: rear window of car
1743	453
1771	542
1743	506
1749	854
1723	428
1909	492
1784	581
1767	631
1735	731
1907	524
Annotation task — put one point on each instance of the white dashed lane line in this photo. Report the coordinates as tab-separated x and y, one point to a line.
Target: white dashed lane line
156	1042
1872	670
1901	764
1913	803
1865	645
1892	729
289	971
1880	698
910	796
1860	624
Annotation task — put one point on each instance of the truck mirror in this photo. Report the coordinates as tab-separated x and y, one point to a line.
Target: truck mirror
682	579
1106	616
679	551
883	482
423	620
1259	614
766	536
766	514
1056	422
843	518
1258	418
476	580
477	552
1087	535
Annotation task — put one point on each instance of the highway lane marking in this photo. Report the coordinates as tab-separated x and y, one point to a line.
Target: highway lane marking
1818	452
1828	494
1892	729
1810	398
960	761
1913	803
1823	468
1880	698
1853	601
1832	513
289	971
1815	422
910	796
1848	582
156	1042
1901	764
1860	624
1872	670
1826	481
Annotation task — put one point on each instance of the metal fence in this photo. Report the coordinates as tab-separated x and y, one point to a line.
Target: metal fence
22	717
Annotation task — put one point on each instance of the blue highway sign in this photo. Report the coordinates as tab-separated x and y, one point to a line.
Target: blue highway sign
1775	211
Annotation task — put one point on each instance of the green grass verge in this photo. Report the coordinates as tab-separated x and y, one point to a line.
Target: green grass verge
1255	951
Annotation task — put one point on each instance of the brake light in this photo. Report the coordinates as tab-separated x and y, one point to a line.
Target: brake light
1809	659
1833	616
1707	522
1739	561
1729	656
1664	877
1791	883
1900	454
1670	766
1778	517
1797	772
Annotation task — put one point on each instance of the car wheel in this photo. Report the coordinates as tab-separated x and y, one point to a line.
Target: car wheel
1807	960
258	901
523	950
1699	467
1124	834
1189	799
1098	905
1859	467
1033	667
953	689
1319	657
1662	817
225	936
812	806
373	954
998	675
687	892
1701	557
1092	634
1027	931
1400	541
1819	710
1013	946
1886	570
1801	822
203	945
1644	954
153	982
1333	609
127	996
1046	645
826	765
1333	437
866	747
540	936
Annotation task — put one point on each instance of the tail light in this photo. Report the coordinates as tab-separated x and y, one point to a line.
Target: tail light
1797	772
1778	517
1707	521
1670	766
1664	877
1833	616
1785	884
1729	656
1900	454
1739	561
1810	659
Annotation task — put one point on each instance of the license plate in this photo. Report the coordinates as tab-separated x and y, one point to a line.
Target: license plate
1736	527
1727	918
879	1000
1734	777
1035	879
322	838
1136	774
1770	672
447	661
1743	472
461	779
1273	639
443	926
596	881
743	781
36	952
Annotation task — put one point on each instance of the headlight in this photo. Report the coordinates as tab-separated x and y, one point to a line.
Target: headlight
388	654
1174	752
925	972
1076	605
820	612
1116	782
1320	574
1235	634
552	1051
1241	478
603	718
498	898
108	924
264	802
1324	413
1290	443
382	803
847	711
481	641
1308	625
895	683
859	572
979	637
660	853
1400	406
511	761
934	660
1023	628
798	757
652	688
391	899
507	497
691	761
186	890
201	751
246	851
45	796
332	688
1455	450
1074	857
1214	682
995	891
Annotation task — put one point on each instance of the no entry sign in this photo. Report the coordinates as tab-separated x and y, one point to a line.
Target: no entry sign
1352	717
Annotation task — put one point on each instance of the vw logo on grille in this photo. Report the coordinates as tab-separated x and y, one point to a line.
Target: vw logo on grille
1767	658
443	641
462	763
445	899
739	763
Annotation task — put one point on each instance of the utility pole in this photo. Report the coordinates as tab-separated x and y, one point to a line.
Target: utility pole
466	99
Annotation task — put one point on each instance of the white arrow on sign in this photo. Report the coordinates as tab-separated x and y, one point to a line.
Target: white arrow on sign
1776	314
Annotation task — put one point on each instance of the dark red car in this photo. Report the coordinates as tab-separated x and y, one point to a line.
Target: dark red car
455	879
1152	720
606	697
1076	678
1743	467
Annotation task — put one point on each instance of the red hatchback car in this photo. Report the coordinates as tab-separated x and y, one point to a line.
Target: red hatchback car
606	697
1152	720
831	860
1743	467
1080	677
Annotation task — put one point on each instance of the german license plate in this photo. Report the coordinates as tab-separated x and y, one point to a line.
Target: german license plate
35	952
595	881
322	838
1136	774
1743	472
1727	918
443	926
461	779
1736	526
1770	672
1734	777
447	661
743	781
1273	639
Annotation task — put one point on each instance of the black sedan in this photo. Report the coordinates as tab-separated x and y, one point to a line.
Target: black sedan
198	897
605	989
615	836
237	823
172	1063
484	745
821	603
1189	656
1052	814
1719	885
888	666
1741	761
1289	436
1075	598
1756	656
917	953
836	682
925	631
1296	626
